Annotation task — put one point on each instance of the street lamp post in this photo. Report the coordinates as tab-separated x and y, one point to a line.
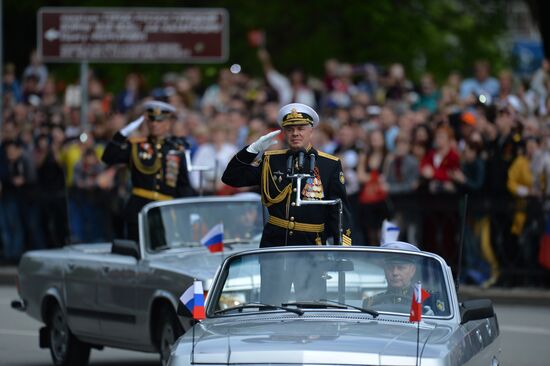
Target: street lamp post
1	63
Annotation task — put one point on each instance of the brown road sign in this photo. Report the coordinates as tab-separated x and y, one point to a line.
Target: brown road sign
174	35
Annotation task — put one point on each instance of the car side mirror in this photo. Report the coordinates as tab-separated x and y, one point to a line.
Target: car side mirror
475	310
125	247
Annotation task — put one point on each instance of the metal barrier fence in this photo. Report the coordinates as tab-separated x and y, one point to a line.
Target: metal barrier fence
502	234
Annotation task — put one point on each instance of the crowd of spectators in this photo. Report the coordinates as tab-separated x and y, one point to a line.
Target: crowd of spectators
410	152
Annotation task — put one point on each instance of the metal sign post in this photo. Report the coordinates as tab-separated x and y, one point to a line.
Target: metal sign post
129	35
84	95
1	63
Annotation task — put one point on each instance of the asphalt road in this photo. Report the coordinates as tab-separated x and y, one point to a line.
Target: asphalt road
525	338
19	341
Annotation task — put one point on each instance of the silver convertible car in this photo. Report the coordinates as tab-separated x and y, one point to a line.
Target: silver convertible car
124	294
337	306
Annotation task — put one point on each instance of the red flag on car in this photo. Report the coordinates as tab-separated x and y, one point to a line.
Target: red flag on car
419	296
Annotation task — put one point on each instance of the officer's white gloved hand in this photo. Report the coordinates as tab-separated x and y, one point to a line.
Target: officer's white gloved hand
427	310
261	144
131	127
522	191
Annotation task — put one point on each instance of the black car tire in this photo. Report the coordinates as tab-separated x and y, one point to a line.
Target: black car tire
65	348
169	330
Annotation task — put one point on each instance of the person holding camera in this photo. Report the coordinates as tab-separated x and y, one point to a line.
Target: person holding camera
439	164
437	169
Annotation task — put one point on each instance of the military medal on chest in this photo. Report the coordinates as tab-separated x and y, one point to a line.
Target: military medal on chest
146	151
145	159
313	190
172	168
278	176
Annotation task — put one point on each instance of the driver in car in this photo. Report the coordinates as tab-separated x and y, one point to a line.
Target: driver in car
399	271
246	225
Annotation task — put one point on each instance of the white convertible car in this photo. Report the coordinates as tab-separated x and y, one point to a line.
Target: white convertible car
337	306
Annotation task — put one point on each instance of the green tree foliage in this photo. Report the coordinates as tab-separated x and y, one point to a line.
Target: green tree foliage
424	35
435	35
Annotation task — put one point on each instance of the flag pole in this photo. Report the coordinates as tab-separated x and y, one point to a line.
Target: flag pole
223	245
193	328
461	243
193	343
417	341
418	297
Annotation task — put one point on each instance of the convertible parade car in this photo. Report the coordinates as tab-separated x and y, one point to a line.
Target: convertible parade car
332	305
125	294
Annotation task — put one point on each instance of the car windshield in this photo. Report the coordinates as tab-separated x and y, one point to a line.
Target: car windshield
185	224
324	279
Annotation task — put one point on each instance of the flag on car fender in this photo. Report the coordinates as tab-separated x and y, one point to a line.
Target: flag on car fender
193	299
213	239
419	296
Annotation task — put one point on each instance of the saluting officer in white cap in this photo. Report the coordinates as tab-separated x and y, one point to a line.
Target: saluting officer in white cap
288	224
156	162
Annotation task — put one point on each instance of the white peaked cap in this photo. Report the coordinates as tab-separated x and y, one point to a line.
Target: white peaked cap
295	114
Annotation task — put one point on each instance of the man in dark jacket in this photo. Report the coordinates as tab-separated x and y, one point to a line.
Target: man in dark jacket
157	162
289	224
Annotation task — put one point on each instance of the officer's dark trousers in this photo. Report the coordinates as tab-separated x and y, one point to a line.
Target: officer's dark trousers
280	271
131	212
132	230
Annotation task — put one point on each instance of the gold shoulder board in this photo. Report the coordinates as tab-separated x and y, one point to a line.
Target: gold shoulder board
275	152
328	156
137	139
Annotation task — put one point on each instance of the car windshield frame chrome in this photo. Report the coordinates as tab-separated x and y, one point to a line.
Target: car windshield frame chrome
447	281
144	230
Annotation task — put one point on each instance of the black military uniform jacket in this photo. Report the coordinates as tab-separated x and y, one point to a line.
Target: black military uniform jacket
432	305
392	296
288	224
158	168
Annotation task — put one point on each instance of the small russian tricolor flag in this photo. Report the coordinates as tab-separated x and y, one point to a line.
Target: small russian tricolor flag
419	296
193	299
213	239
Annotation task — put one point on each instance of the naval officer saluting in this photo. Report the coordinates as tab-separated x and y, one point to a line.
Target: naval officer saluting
157	162
289	224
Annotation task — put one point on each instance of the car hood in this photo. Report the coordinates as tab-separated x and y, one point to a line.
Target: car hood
197	263
308	341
